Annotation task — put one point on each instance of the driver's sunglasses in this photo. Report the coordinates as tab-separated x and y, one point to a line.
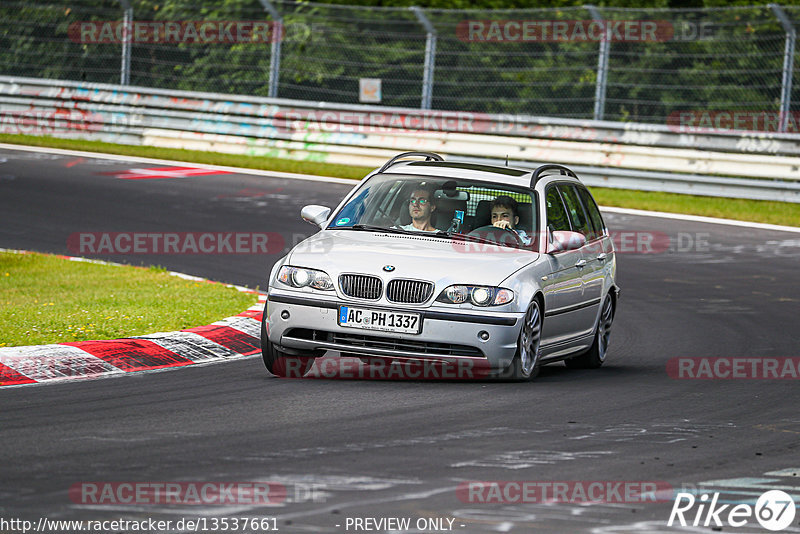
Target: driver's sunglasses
420	201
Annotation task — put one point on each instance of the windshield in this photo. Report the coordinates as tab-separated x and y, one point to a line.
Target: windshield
454	208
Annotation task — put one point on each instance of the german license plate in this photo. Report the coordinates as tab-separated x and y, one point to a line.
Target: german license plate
384	321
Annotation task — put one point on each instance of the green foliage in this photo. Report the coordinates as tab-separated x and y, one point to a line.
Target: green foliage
328	47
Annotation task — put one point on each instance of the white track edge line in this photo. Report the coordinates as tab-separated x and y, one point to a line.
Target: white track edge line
702	219
172	162
330	179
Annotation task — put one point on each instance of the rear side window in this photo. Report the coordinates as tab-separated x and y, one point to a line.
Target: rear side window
577	216
557	219
593	211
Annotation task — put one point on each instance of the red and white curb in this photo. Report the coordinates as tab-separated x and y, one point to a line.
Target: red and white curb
229	338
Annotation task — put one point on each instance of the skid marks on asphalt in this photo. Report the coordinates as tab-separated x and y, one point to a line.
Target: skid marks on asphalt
15	155
303	453
338	497
786	426
528	459
660	432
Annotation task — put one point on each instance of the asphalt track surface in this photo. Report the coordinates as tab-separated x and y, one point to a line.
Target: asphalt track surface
349	449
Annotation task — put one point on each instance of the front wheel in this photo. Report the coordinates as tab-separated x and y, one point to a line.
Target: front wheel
277	362
527	360
596	355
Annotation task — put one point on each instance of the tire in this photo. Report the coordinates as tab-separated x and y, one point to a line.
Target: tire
527	361
277	362
596	355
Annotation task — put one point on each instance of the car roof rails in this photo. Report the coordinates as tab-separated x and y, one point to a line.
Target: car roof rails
429	156
537	174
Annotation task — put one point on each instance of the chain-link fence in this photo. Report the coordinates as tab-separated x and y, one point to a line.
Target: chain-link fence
592	63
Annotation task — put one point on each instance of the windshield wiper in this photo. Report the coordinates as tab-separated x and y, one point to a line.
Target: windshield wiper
465	237
374	228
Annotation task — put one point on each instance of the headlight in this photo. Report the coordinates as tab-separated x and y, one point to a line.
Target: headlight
457	294
477	295
300	277
481	296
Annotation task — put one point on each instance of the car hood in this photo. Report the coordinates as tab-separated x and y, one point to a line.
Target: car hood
439	260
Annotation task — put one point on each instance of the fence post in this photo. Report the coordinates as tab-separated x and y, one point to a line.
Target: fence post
602	67
788	65
430	57
127	42
275	48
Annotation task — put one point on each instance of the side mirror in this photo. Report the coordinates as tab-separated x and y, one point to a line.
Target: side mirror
563	240
314	214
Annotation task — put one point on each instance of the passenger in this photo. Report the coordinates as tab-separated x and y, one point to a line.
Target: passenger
505	214
421	208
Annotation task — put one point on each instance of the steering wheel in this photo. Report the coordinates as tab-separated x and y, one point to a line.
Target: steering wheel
384	220
489	229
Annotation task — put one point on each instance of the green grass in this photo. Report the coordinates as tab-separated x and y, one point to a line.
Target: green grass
783	213
47	299
762	211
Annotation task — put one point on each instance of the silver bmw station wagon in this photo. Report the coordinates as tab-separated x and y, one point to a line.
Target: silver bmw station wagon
500	268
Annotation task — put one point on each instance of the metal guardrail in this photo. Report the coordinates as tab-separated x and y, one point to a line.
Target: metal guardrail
622	155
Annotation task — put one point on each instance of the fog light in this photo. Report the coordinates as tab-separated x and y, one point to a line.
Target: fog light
484	335
285	314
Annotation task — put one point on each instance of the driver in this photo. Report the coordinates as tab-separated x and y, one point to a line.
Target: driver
505	215
421	208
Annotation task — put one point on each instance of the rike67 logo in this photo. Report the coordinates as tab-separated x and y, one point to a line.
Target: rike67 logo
774	510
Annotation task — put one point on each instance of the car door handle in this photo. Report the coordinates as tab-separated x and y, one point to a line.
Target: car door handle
581	264
602	256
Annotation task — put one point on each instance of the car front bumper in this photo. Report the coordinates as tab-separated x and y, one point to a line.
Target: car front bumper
303	323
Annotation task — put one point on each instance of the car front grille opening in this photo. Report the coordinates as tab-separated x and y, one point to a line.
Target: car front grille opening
361	286
409	291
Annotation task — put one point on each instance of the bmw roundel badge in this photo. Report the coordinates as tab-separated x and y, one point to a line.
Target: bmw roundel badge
388	268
